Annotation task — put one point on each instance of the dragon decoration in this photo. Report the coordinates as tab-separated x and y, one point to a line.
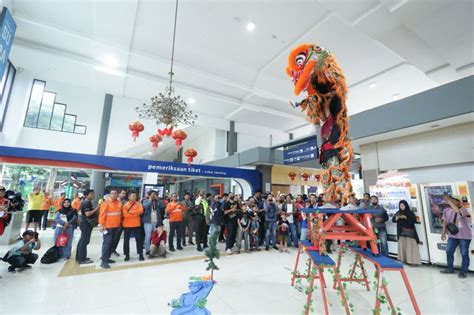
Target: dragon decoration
315	70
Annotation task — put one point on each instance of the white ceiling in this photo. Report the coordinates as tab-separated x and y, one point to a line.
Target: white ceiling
404	46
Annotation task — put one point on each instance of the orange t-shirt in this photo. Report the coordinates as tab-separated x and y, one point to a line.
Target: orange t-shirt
110	215
58	203
76	204
131	214
175	210
47	203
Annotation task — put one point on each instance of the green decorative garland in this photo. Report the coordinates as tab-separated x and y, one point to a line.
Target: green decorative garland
212	252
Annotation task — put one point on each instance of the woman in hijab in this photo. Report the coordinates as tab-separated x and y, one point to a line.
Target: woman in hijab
66	220
408	240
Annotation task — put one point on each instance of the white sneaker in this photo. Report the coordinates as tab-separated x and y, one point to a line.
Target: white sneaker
229	251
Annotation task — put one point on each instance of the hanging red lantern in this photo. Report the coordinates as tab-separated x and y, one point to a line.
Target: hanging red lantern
190	154
317	177
165	132
292	175
305	176
155	140
178	135
136	127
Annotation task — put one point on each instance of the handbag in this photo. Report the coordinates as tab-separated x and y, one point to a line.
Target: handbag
451	227
62	240
407	232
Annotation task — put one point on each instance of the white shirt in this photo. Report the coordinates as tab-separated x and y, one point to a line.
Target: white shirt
289	210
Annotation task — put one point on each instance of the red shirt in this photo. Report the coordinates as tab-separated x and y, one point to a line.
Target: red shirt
155	239
4	202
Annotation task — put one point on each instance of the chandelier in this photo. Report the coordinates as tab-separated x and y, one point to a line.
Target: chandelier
167	108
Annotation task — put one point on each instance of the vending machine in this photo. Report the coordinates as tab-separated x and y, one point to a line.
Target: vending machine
433	206
392	187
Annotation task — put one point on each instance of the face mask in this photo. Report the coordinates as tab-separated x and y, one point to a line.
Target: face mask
374	203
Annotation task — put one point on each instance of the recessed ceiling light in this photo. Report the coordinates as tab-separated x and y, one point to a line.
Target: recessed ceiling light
396	96
372	85
191	100
250	26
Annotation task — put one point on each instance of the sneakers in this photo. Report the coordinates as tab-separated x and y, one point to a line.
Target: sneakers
110	261
275	247
199	248
229	251
116	254
147	253
462	275
191	243
85	262
127	258
141	258
179	248
105	265
267	248
446	271
205	246
11	269
172	249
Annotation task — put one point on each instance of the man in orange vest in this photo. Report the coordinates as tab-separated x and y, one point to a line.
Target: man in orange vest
110	218
131	213
58	202
46	205
175	210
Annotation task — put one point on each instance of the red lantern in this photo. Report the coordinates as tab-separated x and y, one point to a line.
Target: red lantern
155	140
165	132
178	135
292	175
136	127
305	176
317	177
190	154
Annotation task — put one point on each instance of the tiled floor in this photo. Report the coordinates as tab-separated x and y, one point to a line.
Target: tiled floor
256	283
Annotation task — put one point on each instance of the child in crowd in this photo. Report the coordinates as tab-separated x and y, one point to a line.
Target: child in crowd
244	227
158	242
283	227
254	227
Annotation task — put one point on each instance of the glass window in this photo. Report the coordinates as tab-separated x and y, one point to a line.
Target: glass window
81	129
6	87
46	110
35	102
69	123
58	117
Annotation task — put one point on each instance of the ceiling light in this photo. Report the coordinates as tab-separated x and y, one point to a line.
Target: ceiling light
372	85
396	96
110	61
191	100
109	71
250	26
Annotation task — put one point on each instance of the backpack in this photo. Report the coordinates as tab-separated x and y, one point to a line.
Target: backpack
51	256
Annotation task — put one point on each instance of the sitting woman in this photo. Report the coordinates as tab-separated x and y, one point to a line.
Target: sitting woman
408	240
65	220
158	242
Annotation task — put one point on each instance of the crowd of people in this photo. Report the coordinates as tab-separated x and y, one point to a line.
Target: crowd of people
159	225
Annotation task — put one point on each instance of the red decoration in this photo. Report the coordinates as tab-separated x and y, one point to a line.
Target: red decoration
190	154
165	132
155	140
175	179
292	175
178	135
317	177
305	176
136	127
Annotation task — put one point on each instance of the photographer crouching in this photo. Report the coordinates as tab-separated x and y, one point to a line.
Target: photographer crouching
21	256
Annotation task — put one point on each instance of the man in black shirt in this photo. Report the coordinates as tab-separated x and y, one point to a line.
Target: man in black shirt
230	211
88	222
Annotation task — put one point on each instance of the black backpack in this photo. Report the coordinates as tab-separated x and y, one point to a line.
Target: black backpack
51	256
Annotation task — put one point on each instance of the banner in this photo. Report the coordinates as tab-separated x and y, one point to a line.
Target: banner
306	150
8	28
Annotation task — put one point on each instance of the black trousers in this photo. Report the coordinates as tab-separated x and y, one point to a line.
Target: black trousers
231	233
201	229
175	228
137	232
221	233
116	240
86	231
261	233
21	261
44	219
107	242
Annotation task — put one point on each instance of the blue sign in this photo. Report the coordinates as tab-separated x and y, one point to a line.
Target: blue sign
8	28
306	150
106	163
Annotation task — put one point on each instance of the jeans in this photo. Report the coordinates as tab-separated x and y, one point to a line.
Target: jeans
175	228
304	234
231	233
451	248
21	261
382	244
65	251
44	219
137	232
245	235
148	231
270	233
86	230
107	242
292	236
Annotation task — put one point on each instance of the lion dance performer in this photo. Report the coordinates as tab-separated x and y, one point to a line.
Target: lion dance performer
315	70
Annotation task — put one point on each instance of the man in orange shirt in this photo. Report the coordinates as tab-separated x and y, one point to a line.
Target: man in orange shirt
76	202
110	218
58	202
46	205
175	210
131	213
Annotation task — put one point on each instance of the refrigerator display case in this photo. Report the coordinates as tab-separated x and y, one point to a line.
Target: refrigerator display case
433	207
392	187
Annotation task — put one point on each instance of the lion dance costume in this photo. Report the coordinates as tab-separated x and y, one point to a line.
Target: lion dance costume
315	70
